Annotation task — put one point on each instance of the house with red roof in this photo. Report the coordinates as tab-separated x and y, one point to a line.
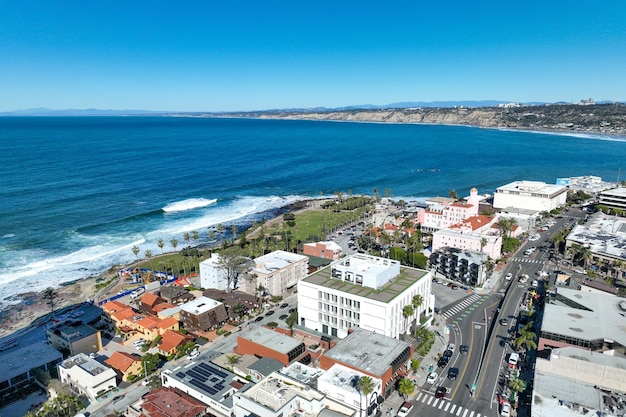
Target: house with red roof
125	364
149	301
171	402
442	213
171	340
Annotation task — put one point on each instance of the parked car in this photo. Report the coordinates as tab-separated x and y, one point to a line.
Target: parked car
506	410
432	377
258	319
508	276
117	398
453	373
443	361
447	353
284	305
504	321
269	313
441	392
405	409
451	347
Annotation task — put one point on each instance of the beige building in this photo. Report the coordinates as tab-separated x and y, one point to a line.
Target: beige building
86	376
279	271
74	337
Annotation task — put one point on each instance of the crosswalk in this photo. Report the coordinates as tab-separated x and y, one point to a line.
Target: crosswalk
445	405
528	261
465	305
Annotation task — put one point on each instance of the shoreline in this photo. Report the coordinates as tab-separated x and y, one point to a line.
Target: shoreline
32	308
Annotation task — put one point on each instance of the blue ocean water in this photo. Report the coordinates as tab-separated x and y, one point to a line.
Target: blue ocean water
76	193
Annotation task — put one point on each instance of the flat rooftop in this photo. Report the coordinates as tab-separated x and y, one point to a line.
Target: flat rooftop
599	316
206	378
603	234
532	187
343	378
24	358
367	351
276	260
200	305
276	390
271	339
385	293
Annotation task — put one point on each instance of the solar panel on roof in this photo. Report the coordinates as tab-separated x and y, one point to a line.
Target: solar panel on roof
180	375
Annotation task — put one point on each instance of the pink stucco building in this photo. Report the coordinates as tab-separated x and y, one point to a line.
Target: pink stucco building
469	234
444	212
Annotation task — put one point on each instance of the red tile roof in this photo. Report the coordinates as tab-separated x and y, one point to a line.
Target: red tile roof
122	361
171	340
150	299
170	402
474	222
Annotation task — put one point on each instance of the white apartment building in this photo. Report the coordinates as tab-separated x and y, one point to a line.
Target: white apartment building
363	291
86	376
278	271
212	275
340	383
531	195
614	198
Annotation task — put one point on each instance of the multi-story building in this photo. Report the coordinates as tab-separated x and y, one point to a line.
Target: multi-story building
531	195
586	183
212	274
328	250
279	271
125	364
468	268
443	212
372	354
604	237
614	198
202	314
477	234
363	291
175	295
75	337
86	376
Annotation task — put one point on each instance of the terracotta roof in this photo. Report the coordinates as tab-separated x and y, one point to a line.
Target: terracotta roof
113	306
163	323
462	205
171	340
122	360
150	299
474	222
125	314
170	402
148	322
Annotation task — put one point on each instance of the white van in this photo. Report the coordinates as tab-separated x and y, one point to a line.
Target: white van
513	359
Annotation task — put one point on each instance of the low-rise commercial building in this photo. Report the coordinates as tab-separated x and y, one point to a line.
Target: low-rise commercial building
202	314
267	343
614	198
19	365
328	250
341	383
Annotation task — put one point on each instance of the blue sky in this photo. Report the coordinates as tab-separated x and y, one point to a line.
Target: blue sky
253	55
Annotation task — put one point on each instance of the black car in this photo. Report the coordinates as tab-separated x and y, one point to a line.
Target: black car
258	319
464	349
283	316
441	392
117	398
443	361
453	373
447	353
284	305
269	313
291	310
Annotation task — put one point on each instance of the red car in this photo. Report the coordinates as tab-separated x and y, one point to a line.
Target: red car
441	392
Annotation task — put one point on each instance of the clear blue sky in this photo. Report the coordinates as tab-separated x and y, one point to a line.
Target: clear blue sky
254	55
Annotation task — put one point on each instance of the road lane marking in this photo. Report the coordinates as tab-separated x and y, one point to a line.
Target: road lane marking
442	403
452	409
447	406
471	414
430	400
465	412
459	411
419	396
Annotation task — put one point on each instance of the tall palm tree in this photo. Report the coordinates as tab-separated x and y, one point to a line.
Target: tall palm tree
50	295
407	312
526	338
186	237
220	228
417	302
174	243
148	253
161	244
195	236
518	385
365	387
234	231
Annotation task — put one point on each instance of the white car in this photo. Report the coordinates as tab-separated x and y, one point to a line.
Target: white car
508	276
506	410
405	409
451	347
432	377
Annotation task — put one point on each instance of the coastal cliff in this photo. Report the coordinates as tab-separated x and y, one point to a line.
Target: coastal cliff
607	119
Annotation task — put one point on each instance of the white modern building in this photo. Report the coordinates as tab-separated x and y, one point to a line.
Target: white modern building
363	291
86	376
614	198
280	396
212	275
586	183
279	271
531	195
340	382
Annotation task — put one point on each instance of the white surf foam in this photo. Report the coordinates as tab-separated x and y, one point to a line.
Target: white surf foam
189	204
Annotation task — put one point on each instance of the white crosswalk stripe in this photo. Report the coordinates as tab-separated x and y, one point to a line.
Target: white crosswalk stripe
465	412
442	403
424	399
452	409
419	396
461	306
459	411
471	414
447	406
430	400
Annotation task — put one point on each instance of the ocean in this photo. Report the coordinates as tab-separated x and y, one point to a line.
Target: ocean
77	193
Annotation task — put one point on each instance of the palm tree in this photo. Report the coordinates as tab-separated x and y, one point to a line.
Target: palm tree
526	338
174	243
233	359
186	237
407	312
135	250
195	236
483	243
406	387
617	265
365	387
220	228
417	302
50	294
517	385
234	231
212	235
161	244
148	253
